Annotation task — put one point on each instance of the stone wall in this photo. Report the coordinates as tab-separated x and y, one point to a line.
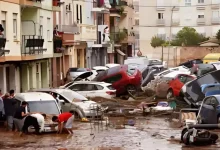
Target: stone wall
188	53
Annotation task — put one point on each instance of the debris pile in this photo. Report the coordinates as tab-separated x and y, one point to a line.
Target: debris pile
157	87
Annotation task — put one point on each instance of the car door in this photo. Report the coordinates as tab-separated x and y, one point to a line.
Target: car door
208	110
114	80
178	84
90	90
79	88
65	104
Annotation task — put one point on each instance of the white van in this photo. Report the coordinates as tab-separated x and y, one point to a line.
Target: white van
43	103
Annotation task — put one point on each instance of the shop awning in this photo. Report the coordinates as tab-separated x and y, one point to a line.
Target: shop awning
120	52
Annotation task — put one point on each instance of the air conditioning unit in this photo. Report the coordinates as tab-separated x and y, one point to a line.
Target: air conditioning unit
68	8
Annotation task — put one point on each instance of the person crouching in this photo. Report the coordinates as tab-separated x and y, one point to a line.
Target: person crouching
36	120
65	120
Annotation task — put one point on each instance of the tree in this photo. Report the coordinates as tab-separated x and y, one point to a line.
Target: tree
218	35
156	42
188	37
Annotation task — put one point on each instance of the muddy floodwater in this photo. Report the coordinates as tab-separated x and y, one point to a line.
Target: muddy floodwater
147	134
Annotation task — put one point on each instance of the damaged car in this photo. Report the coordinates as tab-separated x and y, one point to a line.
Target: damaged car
123	78
192	92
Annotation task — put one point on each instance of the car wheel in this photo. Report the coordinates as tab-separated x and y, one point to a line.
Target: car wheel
170	94
131	89
183	132
76	115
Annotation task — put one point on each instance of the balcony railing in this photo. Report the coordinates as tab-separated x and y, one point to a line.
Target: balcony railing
118	35
200	6
215	6
2	46
200	21
216	20
160	22
32	44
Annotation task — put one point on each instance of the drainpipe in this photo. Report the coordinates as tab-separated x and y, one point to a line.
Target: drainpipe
171	21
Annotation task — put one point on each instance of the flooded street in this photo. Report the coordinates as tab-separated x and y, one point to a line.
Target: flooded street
150	133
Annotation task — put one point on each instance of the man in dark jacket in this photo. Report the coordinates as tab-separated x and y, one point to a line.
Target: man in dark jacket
9	105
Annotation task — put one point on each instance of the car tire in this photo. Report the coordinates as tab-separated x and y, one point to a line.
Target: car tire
183	132
131	90
170	94
218	118
76	115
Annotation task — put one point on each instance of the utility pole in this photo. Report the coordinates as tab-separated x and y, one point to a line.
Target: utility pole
171	21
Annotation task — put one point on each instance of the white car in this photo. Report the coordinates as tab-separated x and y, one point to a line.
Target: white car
182	69
111	65
92	89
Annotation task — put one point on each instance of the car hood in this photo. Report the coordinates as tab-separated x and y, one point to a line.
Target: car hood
193	92
86	104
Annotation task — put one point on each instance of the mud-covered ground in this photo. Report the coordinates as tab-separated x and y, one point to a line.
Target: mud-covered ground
148	134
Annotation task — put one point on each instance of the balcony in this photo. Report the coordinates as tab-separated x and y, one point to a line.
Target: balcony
215	6
160	8
31	3
116	11
200	6
87	33
32	44
57	45
69	29
56	5
118	35
175	22
160	22
216	20
2	46
200	21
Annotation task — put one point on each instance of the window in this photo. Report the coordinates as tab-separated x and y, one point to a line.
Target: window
182	78
90	87
160	15
215	14
200	16
3	22
41	26
48	29
136	21
78	57
162	36
15	25
200	1
76	87
113	79
110	87
187	2
99	87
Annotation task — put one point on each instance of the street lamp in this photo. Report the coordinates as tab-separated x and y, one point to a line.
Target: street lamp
171	21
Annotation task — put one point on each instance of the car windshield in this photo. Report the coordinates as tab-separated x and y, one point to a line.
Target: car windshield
47	107
68	84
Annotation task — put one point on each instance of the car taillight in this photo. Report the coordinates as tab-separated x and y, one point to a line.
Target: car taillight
110	93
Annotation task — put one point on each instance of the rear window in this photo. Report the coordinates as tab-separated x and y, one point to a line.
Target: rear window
110	87
78	69
131	70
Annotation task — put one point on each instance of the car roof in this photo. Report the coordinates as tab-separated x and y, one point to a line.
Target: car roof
91	82
67	93
33	96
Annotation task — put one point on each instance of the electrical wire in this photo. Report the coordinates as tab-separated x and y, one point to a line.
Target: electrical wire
204	5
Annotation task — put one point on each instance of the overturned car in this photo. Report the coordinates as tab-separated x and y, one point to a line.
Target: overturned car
192	92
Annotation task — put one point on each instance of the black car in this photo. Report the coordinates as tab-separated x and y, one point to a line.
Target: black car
191	63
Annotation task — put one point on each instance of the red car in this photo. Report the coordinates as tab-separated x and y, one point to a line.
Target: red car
123	78
176	84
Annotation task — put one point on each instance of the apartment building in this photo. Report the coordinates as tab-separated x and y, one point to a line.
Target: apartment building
165	18
136	27
122	29
26	45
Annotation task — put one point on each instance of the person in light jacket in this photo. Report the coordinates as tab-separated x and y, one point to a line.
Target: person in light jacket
2	109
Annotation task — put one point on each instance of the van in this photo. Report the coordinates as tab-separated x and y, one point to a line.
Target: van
40	102
211	57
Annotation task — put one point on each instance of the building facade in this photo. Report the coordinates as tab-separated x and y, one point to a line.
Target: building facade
122	29
26	45
165	18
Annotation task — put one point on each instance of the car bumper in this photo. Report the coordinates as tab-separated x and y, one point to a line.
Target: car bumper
46	129
91	114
